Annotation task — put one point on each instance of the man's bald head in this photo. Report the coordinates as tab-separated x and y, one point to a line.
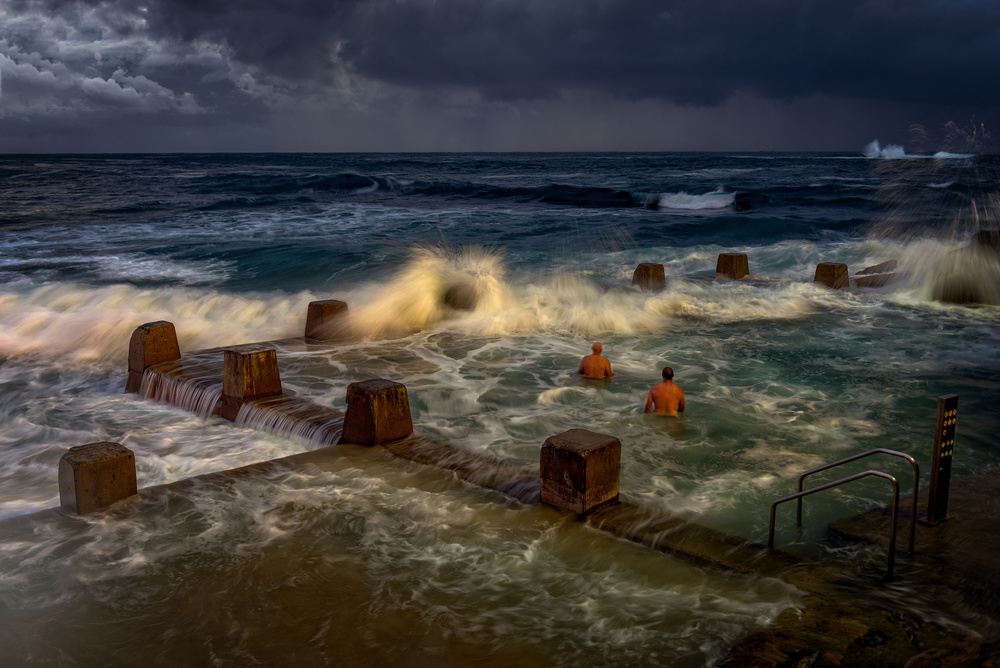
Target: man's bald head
597	348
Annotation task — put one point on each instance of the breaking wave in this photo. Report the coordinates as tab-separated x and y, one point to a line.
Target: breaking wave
875	150
718	199
85	325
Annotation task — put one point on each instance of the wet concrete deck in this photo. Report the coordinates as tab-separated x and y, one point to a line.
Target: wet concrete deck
962	552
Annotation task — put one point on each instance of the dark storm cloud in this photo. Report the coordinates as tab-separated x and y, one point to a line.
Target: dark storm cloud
687	52
497	74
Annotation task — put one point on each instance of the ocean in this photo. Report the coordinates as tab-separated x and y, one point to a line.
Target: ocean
384	560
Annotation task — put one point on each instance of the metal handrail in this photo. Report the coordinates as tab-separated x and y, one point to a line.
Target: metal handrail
895	453
856	476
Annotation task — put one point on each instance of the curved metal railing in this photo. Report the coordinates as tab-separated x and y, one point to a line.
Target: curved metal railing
856	476
876	451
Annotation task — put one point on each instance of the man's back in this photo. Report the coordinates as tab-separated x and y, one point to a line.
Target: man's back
666	398
595	366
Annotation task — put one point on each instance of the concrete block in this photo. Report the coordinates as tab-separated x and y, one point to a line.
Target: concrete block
378	411
649	276
877	275
832	274
96	475
326	320
875	280
462	297
248	372
580	470
151	343
733	265
880	268
987	240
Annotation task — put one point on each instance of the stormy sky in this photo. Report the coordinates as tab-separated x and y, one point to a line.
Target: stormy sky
498	75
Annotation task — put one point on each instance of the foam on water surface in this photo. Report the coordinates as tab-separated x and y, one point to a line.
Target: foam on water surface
402	548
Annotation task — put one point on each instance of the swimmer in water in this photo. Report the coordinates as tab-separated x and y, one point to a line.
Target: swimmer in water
595	366
666	398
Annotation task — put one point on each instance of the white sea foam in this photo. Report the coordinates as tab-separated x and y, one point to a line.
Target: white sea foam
875	150
717	199
561	395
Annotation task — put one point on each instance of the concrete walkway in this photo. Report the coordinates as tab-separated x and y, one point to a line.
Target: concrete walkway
962	552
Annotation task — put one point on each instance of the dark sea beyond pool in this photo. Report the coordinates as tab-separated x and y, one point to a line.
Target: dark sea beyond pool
385	561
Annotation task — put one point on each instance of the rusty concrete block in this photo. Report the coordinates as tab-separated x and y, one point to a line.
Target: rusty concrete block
733	265
326	320
580	470
649	276
832	274
151	343
378	411
96	475
248	372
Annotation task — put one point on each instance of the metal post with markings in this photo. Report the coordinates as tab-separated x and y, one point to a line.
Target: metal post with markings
944	450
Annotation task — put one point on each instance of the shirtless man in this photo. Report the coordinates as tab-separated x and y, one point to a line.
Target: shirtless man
666	397
595	366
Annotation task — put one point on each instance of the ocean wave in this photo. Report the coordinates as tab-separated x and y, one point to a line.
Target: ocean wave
469	291
86	325
875	150
945	155
717	199
416	299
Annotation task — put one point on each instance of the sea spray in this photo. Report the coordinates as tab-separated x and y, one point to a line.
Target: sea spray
952	273
875	150
415	297
941	259
87	325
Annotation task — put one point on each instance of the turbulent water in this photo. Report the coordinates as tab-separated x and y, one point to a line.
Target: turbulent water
383	560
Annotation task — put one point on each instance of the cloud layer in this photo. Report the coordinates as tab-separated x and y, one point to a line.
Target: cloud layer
490	74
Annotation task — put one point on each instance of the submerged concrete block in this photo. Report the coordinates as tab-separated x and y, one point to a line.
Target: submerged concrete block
733	265
880	268
987	240
875	280
248	372
832	274
326	320
649	276
378	411
151	343
461	297
96	475
959	289
877	275
580	470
